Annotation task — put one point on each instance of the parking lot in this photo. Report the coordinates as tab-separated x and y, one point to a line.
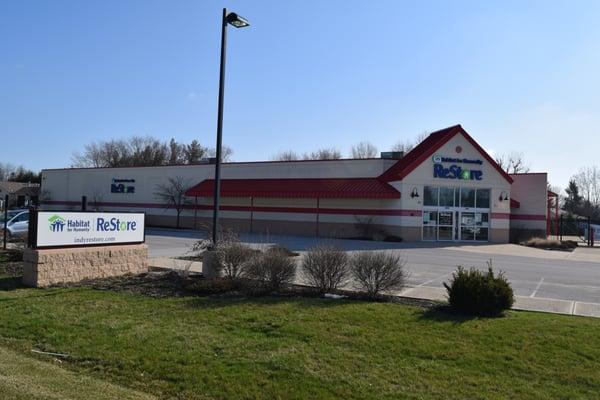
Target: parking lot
533	273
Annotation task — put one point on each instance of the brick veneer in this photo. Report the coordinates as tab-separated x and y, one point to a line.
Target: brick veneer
45	267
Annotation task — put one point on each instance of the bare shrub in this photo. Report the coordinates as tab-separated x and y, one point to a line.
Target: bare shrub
271	270
551	244
378	271
232	257
326	268
230	254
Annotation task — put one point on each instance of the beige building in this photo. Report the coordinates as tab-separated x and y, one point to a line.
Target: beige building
446	189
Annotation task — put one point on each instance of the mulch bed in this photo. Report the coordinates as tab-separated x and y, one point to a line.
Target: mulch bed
171	284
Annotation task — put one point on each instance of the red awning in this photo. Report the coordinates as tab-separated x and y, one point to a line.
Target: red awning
514	203
335	188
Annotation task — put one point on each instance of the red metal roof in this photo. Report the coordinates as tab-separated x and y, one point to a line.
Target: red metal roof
428	147
333	188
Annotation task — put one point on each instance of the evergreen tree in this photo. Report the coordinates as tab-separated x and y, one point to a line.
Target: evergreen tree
573	202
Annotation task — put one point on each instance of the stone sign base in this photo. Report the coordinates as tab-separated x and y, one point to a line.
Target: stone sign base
46	267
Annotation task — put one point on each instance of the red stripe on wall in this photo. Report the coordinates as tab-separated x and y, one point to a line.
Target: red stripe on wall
527	217
500	215
519	217
295	210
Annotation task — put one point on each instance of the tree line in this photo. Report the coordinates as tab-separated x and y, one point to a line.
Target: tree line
583	194
138	151
361	150
9	172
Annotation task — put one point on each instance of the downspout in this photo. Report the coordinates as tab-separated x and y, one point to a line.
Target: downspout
196	213
318	205
251	214
556	214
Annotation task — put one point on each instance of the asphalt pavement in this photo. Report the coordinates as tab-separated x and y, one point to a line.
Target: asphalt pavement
535	274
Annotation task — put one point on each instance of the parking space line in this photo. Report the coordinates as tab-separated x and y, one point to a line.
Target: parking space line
537	287
434	279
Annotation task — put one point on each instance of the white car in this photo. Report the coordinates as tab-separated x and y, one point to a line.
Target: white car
18	226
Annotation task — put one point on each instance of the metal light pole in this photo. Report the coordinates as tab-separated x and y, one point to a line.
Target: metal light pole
238	22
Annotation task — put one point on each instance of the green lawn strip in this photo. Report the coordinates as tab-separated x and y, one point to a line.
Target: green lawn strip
25	378
304	348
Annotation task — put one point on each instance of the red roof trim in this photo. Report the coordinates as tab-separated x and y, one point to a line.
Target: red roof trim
515	203
334	188
428	147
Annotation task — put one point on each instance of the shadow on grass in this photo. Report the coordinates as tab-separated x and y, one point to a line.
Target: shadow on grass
445	313
9	283
271	300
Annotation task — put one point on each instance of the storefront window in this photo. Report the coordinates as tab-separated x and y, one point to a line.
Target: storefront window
481	234
467	197
483	198
445	233
430	197
446	197
429	232
482	219
467	233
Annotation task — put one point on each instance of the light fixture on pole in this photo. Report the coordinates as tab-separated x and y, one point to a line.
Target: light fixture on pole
238	22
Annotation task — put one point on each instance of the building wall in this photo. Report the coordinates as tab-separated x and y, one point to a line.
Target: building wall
491	179
326	217
529	220
65	187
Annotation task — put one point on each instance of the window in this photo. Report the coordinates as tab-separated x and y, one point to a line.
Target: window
430	218
481	234
483	198
446	197
467	197
430	196
430	232
482	219
22	217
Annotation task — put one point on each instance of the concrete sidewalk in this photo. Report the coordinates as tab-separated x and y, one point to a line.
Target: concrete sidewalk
555	306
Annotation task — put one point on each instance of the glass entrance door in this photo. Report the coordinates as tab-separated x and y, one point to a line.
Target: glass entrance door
446	225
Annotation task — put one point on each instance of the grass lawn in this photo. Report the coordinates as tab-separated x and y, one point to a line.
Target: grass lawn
201	348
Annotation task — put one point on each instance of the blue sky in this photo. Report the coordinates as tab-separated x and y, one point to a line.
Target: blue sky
519	76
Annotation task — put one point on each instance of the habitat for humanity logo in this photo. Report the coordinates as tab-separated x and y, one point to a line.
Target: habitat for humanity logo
57	223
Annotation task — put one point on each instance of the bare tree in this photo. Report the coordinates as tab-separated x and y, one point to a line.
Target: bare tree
226	153
407	145
364	150
512	163
172	194
588	181
403	146
288	155
323	154
6	171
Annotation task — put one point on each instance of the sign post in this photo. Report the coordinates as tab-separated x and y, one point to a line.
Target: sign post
5	221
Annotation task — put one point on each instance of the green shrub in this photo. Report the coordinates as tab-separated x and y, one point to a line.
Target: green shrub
479	293
325	267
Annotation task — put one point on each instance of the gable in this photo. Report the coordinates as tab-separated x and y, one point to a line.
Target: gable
457	153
